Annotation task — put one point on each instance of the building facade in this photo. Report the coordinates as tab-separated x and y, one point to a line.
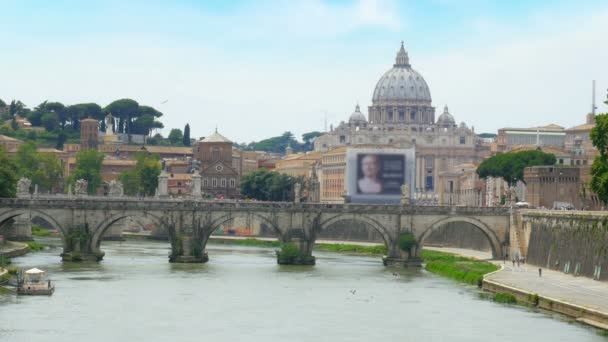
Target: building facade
218	176
89	134
402	116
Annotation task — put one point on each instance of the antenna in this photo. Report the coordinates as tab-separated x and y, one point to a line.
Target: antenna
593	107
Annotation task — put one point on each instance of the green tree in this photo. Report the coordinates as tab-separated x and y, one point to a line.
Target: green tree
267	185
176	136
125	110
276	144
49	121
77	112
8	175
26	159
186	140
510	166
599	169
309	139
17	108
88	167
143	178
49	174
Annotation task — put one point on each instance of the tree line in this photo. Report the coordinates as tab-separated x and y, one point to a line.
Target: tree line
46	172
280	143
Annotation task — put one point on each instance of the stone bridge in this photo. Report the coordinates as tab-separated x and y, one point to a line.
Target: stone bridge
83	221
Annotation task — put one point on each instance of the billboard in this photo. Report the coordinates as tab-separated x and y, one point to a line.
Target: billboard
377	175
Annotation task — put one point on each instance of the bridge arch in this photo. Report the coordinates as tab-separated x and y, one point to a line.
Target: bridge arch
103	226
32	213
216	223
368	221
487	231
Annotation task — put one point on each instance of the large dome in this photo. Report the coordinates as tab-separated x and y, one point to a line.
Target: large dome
402	84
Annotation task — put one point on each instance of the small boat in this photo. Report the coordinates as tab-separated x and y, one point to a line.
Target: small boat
34	282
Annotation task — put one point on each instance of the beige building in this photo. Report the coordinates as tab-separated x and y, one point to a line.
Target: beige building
10	144
331	175
461	186
402	116
298	165
542	136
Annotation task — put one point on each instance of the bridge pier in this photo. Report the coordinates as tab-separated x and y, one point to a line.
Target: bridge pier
397	257
78	246
186	249
20	230
297	251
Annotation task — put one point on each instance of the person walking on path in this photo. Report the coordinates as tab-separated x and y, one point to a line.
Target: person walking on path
540	272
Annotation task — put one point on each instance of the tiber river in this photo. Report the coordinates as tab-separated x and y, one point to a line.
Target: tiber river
134	294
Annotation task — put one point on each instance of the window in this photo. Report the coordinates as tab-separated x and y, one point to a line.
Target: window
428	184
223	182
232	183
205	182
561	161
214	183
389	116
342	139
413	116
216	154
401	116
462	140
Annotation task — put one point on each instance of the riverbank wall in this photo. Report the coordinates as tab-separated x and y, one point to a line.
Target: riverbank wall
582	314
572	242
13	249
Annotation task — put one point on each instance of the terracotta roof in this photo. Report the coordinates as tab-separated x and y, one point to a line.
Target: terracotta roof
215	138
583	127
180	176
7	138
49	150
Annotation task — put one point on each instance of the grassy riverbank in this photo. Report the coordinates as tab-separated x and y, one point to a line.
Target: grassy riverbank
463	269
333	247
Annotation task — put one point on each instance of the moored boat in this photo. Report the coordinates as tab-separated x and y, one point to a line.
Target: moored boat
35	282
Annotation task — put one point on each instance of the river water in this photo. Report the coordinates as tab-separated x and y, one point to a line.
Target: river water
134	294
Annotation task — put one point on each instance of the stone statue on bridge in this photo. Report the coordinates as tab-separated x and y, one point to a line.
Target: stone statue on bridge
405	194
80	187
297	189
116	189
23	187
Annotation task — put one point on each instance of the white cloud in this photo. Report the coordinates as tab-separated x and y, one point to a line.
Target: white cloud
317	18
538	78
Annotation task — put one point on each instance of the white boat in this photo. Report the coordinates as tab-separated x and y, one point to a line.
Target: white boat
35	282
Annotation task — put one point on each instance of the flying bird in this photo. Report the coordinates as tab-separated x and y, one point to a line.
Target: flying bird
164	102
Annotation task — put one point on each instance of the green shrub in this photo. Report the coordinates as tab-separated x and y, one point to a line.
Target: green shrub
35	246
505	298
290	255
467	270
38	231
4	261
407	241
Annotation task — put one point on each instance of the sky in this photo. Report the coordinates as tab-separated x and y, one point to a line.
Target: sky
255	69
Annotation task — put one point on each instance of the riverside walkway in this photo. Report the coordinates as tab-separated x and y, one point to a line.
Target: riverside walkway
558	287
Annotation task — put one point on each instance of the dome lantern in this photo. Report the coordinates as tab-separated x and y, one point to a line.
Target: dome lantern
402	60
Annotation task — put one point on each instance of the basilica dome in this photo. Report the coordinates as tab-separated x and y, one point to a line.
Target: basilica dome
357	116
446	119
402	84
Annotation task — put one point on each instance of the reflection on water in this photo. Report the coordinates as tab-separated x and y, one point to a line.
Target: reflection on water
134	294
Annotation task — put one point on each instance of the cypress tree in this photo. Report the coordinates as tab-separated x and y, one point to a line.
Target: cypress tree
186	138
